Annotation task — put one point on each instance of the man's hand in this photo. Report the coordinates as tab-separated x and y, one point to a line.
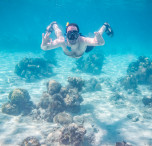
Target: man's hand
50	27
99	38
45	38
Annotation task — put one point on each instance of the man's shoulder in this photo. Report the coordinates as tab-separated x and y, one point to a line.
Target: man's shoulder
82	38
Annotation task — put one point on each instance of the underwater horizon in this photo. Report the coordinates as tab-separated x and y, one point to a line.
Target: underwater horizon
103	98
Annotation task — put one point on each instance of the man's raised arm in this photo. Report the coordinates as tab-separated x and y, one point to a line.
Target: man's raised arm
47	43
97	40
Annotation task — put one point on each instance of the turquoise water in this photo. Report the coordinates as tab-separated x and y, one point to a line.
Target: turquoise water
22	25
22	22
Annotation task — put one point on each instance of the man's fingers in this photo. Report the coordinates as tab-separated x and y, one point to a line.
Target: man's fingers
42	35
48	33
45	35
48	28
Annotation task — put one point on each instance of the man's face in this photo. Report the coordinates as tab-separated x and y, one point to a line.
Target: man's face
72	34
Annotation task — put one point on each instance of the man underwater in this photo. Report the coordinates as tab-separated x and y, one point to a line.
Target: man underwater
75	45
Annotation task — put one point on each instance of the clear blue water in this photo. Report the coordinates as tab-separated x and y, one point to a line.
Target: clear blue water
22	22
21	27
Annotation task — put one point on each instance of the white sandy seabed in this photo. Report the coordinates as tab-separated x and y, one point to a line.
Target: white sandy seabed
107	118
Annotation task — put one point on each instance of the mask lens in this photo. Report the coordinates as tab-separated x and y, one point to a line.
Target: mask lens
72	35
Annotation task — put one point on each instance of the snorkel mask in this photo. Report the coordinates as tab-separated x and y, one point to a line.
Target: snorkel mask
73	34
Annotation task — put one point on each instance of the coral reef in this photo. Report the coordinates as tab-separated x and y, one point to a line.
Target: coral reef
147	101
92	64
73	100
33	68
11	109
75	82
71	135
63	118
53	87
139	72
19	96
30	141
122	144
129	82
92	85
64	91
19	102
58	100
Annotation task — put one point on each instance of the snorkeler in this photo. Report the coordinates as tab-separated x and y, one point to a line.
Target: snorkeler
74	45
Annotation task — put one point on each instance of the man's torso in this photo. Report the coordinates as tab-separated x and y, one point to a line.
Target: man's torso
76	50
